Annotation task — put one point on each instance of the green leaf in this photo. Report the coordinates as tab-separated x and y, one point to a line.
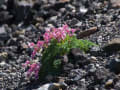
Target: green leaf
57	63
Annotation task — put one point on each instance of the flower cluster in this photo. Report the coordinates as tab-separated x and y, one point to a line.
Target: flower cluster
33	68
36	47
58	33
55	33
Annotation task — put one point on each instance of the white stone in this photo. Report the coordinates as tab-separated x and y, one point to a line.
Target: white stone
83	10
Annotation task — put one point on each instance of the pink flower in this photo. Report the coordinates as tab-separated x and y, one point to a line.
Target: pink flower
36	74
33	66
46	37
58	33
73	30
65	27
34	69
40	44
31	45
33	53
26	63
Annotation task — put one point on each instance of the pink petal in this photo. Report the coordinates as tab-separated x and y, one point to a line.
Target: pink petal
31	45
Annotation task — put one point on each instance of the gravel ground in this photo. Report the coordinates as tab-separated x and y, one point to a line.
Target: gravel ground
25	21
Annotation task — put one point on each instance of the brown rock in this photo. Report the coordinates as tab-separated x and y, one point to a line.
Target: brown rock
113	45
115	3
24	45
63	1
109	83
87	32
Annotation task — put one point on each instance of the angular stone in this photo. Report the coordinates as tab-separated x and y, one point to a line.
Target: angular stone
63	1
109	82
2	1
112	46
115	3
3	34
115	65
4	16
2	30
87	32
51	86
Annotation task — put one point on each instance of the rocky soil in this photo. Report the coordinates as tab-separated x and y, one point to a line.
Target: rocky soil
25	21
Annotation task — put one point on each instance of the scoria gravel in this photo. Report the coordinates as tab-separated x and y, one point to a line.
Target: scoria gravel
25	21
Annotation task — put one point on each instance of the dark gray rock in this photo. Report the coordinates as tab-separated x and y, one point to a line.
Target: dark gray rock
68	67
114	65
77	74
5	16
95	50
112	46
3	34
3	1
91	68
77	54
2	30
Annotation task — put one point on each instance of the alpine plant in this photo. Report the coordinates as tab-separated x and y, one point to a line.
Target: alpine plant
56	41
